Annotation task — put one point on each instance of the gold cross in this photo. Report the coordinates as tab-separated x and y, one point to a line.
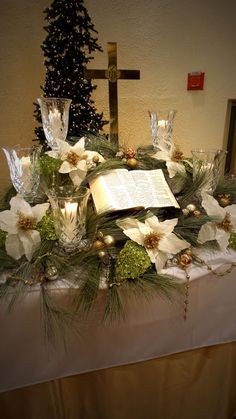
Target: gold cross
112	74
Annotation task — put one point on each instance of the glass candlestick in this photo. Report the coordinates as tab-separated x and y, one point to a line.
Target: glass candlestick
24	168
161	124
208	166
55	119
69	206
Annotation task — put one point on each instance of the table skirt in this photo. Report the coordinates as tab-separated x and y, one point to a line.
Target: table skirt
197	384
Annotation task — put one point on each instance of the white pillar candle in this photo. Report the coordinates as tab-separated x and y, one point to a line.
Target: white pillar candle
162	123
69	214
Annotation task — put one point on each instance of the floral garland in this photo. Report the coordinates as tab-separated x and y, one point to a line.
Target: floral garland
124	253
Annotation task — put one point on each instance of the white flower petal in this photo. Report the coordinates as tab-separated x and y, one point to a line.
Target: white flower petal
39	211
172	244
207	232
14	246
166	227
77	177
66	167
82	165
152	222
135	235
127	223
174	167
78	148
64	149
30	241
212	207
53	154
222	238
133	229
152	253
18	204
231	209
160	261
162	155
8	221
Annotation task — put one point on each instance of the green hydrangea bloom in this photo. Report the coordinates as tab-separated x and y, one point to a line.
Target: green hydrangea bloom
46	227
131	262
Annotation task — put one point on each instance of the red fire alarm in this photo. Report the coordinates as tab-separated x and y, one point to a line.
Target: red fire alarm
196	80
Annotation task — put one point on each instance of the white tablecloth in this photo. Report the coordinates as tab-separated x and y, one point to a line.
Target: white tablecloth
151	330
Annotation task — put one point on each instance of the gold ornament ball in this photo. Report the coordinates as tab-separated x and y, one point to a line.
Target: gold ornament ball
109	240
132	163
191	207
224	201
196	213
185	211
95	159
101	254
51	273
188	252
98	244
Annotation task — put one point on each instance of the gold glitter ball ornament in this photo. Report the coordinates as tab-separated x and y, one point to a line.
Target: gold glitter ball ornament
132	163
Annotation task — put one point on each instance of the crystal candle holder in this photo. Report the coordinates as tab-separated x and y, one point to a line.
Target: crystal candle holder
161	124
55	119
69	205
208	167
24	168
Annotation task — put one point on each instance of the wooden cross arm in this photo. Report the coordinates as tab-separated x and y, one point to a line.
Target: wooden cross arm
120	74
129	74
95	74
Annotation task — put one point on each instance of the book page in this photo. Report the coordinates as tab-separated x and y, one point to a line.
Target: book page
115	190
122	189
152	189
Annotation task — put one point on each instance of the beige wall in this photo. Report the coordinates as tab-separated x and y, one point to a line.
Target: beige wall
164	39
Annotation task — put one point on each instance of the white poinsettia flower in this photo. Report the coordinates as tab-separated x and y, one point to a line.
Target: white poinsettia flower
75	159
173	159
157	237
20	222
221	229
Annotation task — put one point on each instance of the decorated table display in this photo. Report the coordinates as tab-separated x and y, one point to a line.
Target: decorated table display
51	227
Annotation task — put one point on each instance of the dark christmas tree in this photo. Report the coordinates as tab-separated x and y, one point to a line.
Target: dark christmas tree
70	42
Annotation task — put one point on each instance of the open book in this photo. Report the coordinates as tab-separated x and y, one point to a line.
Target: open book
123	189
